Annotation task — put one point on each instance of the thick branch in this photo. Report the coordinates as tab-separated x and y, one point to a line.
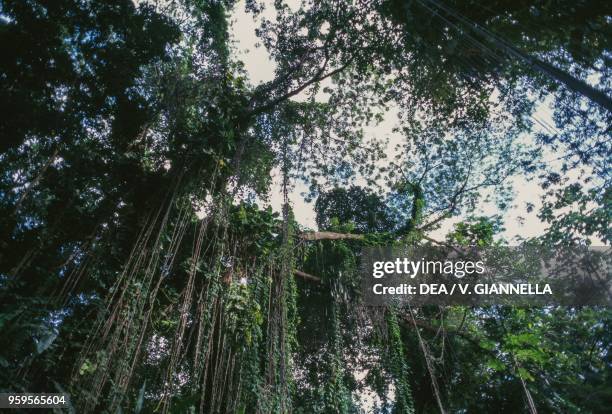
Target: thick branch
439	243
306	276
329	235
434	222
318	77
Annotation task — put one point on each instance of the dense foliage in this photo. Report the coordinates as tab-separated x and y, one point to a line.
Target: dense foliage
141	270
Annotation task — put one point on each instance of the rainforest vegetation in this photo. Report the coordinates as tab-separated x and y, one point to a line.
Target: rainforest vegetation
144	269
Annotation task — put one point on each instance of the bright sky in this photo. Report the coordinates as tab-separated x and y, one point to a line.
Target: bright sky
260	69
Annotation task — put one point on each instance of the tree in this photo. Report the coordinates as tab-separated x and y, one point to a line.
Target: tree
138	273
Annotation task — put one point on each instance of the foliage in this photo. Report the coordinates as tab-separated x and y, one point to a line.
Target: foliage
141	269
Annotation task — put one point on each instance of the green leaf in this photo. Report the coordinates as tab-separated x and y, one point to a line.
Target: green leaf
524	374
496	365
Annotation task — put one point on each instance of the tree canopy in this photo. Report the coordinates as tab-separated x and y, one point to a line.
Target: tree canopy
143	269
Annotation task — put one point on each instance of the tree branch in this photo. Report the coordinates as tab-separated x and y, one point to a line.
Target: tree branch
329	235
318	77
306	276
439	243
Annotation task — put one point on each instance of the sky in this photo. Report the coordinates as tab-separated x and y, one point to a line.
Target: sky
260	68
517	221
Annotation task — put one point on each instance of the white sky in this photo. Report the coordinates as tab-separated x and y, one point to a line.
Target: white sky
261	69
